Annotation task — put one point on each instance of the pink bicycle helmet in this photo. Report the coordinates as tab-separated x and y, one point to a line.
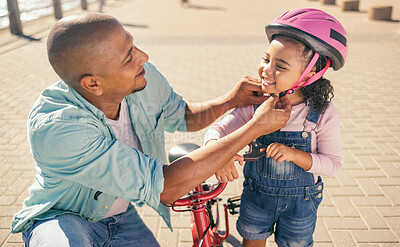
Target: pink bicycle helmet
318	30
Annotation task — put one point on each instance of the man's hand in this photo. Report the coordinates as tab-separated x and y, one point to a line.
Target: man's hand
228	173
247	91
272	115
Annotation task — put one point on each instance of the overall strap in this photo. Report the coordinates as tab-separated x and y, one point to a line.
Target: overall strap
256	106
311	121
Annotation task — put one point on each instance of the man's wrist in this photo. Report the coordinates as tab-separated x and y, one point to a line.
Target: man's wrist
254	129
229	101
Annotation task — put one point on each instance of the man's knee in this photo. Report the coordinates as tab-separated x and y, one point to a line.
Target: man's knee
62	231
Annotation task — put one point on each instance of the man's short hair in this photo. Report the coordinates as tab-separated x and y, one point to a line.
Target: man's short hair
74	45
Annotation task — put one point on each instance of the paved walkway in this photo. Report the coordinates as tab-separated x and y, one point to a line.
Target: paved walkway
204	49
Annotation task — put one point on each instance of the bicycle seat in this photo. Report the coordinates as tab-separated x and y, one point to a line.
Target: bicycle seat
180	150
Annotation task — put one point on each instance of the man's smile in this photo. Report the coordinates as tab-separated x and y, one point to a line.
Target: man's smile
141	73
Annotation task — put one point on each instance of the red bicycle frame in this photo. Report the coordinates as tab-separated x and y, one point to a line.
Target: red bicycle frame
201	215
202	235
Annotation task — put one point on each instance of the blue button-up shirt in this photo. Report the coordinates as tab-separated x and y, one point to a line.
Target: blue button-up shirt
77	155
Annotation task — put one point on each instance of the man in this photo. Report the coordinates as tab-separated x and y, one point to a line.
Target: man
97	137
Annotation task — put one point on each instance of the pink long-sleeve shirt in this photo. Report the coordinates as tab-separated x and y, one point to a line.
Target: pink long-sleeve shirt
326	143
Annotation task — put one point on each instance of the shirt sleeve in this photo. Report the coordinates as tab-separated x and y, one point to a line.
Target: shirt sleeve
231	122
77	151
328	158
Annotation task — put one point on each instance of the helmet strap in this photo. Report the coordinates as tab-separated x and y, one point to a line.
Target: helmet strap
308	69
317	75
310	80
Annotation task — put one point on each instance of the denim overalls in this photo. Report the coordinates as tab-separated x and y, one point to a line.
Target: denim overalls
281	198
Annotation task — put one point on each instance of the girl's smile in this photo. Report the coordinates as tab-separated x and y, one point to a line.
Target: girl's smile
266	82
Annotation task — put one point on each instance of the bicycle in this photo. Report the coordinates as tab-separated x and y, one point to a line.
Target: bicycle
204	227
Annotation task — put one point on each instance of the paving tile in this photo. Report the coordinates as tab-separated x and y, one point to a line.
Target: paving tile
351	164
345	191
167	238
367	162
9	178
390	169
393	193
343	238
345	207
181	222
370	201
369	187
331	182
368	174
366	152
387	158
18	187
346	178
394	224
5	169
327	211
345	223
372	218
4	235
375	236
7	200
13	245
185	235
387	181
5	222
8	210
389	211
386	149
15	238
370	245
321	234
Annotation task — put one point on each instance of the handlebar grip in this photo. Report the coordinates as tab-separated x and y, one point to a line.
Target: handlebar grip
200	197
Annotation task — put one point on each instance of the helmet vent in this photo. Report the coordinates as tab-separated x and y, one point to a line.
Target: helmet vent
331	20
298	14
339	37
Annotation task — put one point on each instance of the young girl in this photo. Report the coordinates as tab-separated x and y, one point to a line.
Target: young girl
283	189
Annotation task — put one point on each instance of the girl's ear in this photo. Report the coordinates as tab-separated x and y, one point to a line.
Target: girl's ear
92	84
307	77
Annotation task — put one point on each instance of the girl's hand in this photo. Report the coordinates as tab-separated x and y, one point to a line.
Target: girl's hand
280	152
229	172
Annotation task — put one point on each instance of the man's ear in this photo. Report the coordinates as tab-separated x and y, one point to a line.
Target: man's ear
92	84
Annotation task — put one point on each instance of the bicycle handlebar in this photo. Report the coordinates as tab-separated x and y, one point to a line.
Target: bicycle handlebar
200	197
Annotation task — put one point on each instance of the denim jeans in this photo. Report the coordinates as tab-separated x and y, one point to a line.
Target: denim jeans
126	229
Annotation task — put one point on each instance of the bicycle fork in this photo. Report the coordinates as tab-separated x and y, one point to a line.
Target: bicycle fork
202	236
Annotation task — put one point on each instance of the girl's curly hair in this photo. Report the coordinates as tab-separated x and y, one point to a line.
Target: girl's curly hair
318	94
